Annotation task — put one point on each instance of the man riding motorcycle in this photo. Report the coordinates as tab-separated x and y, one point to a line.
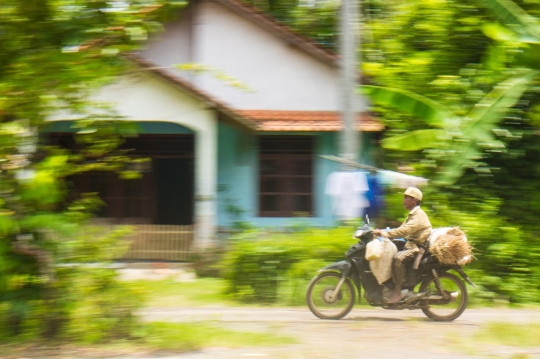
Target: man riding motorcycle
416	230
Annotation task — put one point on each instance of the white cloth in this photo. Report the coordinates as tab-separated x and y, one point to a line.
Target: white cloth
400	180
382	267
347	190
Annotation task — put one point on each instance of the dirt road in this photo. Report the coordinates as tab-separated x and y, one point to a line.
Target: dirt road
364	333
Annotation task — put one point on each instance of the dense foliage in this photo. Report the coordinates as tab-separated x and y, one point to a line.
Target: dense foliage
53	54
270	267
485	153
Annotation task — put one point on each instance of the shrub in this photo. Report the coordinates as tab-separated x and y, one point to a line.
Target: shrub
102	309
506	265
81	299
259	264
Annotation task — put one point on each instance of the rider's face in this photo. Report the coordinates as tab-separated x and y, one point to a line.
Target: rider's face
409	202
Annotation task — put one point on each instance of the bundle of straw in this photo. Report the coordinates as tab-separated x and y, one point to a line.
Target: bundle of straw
452	248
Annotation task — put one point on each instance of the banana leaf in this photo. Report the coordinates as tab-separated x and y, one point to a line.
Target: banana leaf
415	140
495	104
484	116
432	112
517	19
500	33
456	164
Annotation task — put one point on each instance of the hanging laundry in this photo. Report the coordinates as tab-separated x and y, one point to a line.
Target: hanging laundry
386	177
347	189
400	180
375	196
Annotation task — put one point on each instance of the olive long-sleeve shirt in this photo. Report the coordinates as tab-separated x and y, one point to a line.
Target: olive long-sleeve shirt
416	228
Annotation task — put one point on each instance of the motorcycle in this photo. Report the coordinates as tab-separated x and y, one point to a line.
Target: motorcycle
442	296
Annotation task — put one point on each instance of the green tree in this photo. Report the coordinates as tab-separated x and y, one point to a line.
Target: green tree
54	53
458	141
481	154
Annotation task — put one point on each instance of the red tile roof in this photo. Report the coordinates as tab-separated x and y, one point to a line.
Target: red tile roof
330	121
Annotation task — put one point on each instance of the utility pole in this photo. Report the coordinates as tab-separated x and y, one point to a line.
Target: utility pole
349	45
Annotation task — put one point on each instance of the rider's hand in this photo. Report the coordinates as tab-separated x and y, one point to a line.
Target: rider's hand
379	232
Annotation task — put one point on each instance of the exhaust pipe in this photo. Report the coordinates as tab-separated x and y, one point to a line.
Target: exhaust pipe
439	298
413	297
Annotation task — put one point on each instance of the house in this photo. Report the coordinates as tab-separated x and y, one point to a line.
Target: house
222	153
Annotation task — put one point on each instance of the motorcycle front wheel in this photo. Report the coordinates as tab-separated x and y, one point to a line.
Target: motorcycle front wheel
324	302
453	302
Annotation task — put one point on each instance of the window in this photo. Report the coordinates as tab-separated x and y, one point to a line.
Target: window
285	176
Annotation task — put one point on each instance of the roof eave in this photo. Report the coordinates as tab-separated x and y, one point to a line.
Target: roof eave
241	121
261	19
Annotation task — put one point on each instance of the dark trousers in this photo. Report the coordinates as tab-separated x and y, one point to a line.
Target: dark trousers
402	260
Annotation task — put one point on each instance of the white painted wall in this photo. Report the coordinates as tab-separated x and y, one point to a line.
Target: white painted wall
146	98
174	44
282	76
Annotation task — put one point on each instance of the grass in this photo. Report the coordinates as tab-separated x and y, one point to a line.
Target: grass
204	292
194	336
154	337
167	293
518	339
510	334
150	338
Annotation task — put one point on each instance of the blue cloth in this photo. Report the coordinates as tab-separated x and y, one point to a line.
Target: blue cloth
375	196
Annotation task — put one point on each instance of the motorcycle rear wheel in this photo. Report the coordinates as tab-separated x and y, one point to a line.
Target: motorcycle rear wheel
450	310
319	296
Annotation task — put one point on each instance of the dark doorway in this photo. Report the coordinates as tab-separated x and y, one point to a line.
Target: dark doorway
163	195
174	192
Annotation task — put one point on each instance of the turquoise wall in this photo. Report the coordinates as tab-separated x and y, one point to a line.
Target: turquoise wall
238	181
237	159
